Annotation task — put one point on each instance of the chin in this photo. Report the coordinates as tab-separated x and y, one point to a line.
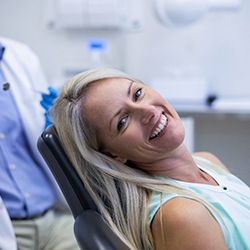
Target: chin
179	138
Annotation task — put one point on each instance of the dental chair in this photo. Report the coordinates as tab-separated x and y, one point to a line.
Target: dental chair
90	229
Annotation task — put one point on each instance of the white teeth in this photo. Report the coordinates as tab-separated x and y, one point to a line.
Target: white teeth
161	126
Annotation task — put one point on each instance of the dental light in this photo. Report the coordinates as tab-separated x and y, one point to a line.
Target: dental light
184	12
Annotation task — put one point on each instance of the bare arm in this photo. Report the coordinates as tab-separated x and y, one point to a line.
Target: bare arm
211	157
187	224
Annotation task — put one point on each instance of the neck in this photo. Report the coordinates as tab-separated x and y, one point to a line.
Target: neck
180	165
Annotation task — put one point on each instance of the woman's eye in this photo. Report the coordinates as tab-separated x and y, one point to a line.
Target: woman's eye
121	123
137	94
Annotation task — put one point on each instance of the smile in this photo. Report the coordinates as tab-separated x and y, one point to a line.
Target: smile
161	126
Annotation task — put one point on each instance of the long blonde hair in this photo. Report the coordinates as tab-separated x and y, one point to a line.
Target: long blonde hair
122	194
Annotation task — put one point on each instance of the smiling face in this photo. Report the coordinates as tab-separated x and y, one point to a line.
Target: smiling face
133	122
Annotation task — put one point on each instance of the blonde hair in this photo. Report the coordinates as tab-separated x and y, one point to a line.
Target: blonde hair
122	194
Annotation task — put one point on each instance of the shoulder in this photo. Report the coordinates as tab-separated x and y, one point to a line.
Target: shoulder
182	223
211	157
18	49
13	44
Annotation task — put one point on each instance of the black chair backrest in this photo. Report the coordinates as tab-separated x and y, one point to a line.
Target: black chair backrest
66	176
90	229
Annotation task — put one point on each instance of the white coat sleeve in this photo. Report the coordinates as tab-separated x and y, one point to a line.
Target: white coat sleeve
7	236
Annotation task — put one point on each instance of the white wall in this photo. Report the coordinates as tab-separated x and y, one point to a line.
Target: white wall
217	47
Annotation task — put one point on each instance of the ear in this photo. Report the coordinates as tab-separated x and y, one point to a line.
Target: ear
117	158
120	159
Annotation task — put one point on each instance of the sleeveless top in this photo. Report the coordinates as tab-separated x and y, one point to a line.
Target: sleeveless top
231	198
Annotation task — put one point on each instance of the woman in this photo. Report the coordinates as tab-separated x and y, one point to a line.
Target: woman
126	143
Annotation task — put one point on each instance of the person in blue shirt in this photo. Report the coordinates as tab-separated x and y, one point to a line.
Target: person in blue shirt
127	144
33	210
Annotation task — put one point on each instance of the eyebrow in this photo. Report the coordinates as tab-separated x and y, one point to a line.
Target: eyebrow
130	87
120	110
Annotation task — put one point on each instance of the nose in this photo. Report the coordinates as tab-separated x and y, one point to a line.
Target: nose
145	113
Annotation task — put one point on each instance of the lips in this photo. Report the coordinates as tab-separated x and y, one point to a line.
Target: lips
162	124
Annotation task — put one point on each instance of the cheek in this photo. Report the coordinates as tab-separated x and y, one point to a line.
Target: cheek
127	142
130	139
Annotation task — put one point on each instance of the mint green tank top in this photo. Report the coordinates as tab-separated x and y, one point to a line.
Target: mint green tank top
231	198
